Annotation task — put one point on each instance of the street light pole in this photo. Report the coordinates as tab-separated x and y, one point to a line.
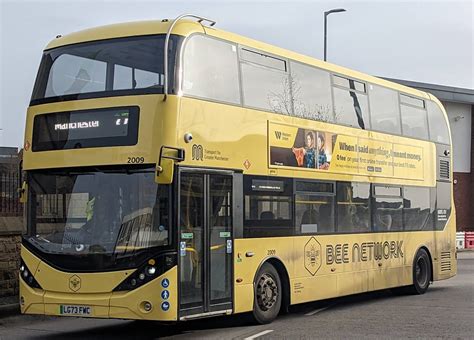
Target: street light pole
336	10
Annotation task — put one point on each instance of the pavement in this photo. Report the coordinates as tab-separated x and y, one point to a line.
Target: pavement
9	306
446	311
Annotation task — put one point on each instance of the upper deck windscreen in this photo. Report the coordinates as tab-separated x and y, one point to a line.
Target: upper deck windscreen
122	66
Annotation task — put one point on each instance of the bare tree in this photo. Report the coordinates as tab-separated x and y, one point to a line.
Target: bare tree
288	101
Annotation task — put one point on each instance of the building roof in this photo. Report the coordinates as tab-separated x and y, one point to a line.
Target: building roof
444	93
7	150
8	155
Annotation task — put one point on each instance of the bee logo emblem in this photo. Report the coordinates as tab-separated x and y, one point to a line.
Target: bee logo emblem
74	283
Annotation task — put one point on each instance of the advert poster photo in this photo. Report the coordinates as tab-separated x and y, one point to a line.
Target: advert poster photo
306	148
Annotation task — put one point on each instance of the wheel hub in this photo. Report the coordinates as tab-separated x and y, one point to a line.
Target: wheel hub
421	272
267	292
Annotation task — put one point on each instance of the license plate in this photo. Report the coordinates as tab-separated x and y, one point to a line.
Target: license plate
75	310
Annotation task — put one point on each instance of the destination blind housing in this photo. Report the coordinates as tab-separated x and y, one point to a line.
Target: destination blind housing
85	129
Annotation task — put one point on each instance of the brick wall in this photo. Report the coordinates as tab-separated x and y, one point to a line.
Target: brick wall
9	264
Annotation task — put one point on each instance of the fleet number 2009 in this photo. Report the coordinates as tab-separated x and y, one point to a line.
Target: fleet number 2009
136	160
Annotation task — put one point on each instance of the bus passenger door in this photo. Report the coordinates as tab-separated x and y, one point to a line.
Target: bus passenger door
205	241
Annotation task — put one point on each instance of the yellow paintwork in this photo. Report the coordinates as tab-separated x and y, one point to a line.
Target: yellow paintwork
333	280
128	305
121	30
232	137
96	290
33	299
164	172
53	280
152	111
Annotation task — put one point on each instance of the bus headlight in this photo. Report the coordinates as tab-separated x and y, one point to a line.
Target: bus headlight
149	271
27	277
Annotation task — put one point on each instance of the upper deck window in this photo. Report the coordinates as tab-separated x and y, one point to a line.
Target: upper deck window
73	74
414	119
349	83
351	106
416	102
384	109
265	82
122	66
263	59
211	69
311	92
439	131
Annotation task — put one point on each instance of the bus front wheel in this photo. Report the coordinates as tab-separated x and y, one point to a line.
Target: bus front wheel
421	272
267	294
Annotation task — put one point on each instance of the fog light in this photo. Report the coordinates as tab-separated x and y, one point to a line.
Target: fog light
147	306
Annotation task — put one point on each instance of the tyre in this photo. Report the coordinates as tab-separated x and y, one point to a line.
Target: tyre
421	273
267	294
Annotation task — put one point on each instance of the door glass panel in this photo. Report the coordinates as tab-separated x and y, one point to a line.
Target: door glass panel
220	235
191	240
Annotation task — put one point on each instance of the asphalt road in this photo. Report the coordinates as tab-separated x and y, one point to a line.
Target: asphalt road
445	311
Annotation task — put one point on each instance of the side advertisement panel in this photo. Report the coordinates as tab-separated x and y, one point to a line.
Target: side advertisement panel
318	150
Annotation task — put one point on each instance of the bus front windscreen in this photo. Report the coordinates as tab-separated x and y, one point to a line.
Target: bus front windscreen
120	66
97	220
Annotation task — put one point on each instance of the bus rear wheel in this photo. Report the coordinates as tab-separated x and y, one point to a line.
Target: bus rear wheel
421	273
267	294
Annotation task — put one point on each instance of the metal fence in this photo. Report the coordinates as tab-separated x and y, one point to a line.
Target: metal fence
9	197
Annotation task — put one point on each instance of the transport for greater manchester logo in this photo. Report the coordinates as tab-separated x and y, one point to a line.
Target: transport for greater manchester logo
312	256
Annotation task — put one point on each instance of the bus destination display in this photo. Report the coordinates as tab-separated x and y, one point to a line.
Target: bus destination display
85	129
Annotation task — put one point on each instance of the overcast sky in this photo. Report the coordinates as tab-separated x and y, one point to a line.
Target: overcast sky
427	41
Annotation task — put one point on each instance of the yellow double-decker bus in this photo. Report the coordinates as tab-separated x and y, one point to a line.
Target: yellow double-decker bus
176	171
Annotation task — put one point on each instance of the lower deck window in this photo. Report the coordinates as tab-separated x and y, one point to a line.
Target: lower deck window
268	216
268	207
276	207
314	214
353	211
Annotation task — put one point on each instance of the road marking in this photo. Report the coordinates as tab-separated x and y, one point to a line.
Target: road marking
317	311
259	334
